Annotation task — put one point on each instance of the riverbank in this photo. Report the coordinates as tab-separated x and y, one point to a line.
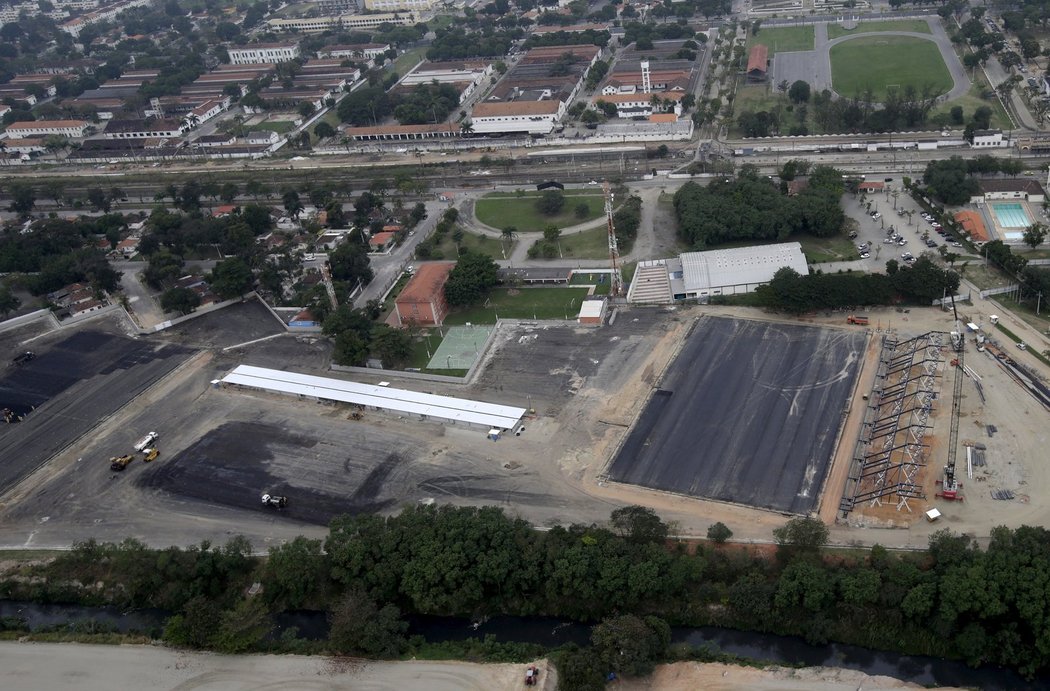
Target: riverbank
32	666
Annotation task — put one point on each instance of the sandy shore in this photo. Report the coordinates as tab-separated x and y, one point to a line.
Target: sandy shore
53	666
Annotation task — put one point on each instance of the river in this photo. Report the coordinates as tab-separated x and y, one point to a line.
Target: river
551	632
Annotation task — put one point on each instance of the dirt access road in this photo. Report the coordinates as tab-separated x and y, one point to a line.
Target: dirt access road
56	666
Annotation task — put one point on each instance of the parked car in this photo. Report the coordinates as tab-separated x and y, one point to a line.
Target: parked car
864	255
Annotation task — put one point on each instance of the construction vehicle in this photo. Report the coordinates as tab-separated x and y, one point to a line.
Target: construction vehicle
857	319
149	455
23	358
532	675
146	441
980	342
119	463
274	501
958	342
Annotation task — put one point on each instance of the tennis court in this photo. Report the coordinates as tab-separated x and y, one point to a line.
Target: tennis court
461	346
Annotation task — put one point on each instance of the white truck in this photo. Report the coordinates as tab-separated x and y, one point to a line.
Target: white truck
146	441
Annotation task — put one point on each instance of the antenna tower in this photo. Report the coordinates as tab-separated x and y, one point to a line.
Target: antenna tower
616	282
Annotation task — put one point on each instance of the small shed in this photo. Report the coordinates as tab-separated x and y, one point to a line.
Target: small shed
592	312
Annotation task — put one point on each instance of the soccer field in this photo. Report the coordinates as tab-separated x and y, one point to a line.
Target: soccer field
883	62
784	39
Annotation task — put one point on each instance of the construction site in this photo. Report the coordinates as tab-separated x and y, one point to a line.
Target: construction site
704	413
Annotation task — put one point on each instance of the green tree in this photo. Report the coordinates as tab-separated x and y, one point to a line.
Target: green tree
350	349
291	202
471	279
719	533
231	278
229	191
242	628
9	302
295	573
323	130
551	232
181	300
23	198
799	92
1034	235
360	626
579	669
551	202
630	645
582	210
638	524
195	626
98	199
349	262
393	346
802	533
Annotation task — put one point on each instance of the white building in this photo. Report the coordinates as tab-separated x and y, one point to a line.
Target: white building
989	139
74	129
263	53
399	5
633	105
530	117
699	275
312	25
367	51
260	137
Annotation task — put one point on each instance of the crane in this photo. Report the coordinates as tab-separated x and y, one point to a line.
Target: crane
326	276
616	282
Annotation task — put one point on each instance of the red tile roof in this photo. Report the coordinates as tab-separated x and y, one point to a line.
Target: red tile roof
427	283
758	58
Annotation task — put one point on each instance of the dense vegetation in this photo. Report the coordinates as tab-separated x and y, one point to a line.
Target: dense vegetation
951	180
955	600
753	208
920	283
57	252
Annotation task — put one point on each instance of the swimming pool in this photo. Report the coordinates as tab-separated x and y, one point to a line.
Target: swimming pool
1011	215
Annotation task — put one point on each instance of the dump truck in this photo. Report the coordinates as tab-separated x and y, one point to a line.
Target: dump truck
146	441
119	463
274	501
857	319
150	454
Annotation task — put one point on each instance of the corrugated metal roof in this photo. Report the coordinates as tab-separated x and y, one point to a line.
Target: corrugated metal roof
400	400
740	265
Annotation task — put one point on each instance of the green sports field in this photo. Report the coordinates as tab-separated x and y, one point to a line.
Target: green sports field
784	39
916	26
880	62
500	210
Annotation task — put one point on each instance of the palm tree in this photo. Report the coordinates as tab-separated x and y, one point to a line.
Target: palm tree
3	151
467	127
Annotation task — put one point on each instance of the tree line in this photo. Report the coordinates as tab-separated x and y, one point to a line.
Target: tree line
753	208
954	600
920	283
952	181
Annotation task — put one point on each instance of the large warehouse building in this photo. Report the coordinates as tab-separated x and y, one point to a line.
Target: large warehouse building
699	275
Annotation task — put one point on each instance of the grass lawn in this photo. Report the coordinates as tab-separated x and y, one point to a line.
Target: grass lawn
522	303
1017	339
879	62
600	281
278	126
482	244
819	250
503	210
784	39
972	101
915	26
590	244
1026	311
984	277
403	63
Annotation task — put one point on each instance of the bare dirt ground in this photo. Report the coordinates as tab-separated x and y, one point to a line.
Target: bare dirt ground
687	676
32	666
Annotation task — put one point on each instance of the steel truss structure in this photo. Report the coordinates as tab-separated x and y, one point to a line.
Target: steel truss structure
891	450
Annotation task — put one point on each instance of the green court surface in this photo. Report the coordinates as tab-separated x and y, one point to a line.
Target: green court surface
460	347
784	39
884	62
522	303
501	211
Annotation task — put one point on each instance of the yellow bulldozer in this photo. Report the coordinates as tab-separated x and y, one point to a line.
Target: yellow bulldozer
120	462
150	454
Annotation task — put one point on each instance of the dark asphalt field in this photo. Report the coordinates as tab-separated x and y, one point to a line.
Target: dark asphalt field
68	389
328	467
747	413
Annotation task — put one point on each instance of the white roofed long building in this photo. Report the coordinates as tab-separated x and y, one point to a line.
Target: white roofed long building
423	406
714	272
